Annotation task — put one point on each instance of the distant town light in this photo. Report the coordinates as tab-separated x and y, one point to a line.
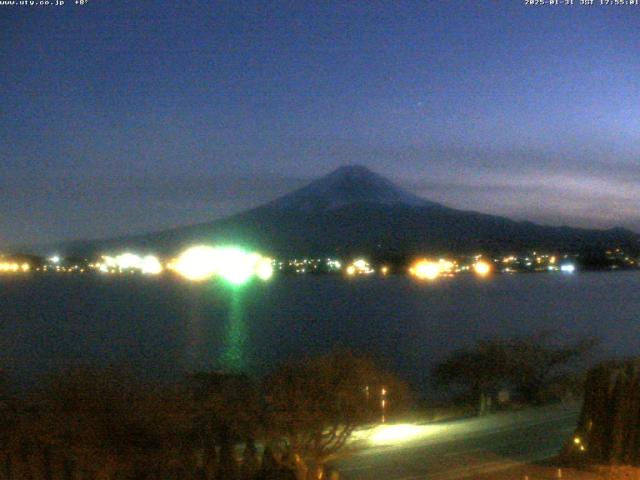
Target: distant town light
232	264
264	270
150	265
360	263
446	266
235	265
128	261
197	263
55	259
359	267
567	268
425	270
10	267
482	268
109	262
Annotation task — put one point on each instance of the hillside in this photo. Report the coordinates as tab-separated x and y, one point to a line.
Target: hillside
353	210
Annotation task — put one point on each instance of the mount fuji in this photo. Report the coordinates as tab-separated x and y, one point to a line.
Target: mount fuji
356	211
346	186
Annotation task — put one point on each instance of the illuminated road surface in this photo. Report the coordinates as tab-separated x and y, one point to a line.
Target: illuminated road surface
460	449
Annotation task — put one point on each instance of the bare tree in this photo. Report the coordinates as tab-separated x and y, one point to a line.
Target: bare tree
316	404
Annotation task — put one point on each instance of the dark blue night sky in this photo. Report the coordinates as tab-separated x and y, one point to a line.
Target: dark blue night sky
121	117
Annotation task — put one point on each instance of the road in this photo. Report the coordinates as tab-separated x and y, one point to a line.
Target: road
459	449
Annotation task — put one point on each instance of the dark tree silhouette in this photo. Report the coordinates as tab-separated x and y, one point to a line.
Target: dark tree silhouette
95	425
528	365
250	461
608	430
314	405
227	466
108	424
227	411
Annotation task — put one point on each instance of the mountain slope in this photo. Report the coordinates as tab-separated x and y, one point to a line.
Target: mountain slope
353	210
345	186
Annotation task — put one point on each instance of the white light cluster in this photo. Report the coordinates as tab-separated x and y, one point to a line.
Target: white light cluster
130	262
230	263
359	267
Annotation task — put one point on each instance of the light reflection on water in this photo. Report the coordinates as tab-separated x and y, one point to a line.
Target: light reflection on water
164	327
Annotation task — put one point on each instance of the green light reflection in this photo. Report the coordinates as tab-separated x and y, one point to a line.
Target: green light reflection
233	354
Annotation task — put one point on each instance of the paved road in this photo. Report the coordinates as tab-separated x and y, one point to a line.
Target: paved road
459	449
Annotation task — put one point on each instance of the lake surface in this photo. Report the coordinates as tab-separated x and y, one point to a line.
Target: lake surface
163	327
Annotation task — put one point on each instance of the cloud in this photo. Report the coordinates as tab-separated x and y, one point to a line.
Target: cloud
542	186
572	197
548	186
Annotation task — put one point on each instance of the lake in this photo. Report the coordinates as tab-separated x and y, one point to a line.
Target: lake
164	327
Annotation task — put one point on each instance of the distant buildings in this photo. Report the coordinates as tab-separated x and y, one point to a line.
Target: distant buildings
421	268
